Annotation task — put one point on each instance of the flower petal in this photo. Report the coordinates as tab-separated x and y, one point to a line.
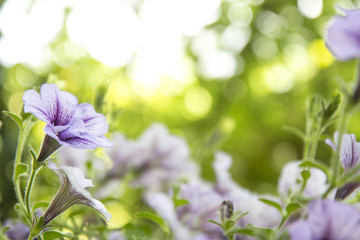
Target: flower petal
97	205
95	123
59	105
344	35
88	142
33	104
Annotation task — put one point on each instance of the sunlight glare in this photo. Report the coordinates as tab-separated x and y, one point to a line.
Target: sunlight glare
112	36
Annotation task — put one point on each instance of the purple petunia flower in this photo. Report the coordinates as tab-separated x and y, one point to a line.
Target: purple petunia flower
349	150
158	157
68	123
17	230
349	158
327	219
343	38
72	191
260	214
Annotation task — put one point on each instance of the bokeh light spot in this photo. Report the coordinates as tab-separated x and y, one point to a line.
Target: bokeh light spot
279	79
120	216
319	54
198	101
265	48
235	38
270	24
112	36
310	8
240	14
217	64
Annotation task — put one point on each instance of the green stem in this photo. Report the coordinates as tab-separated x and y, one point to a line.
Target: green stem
330	188
31	235
34	170
23	133
335	160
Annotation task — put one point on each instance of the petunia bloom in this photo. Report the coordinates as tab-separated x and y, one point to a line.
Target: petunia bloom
349	158
72	191
68	123
344	34
349	149
289	181
17	230
159	158
260	214
327	219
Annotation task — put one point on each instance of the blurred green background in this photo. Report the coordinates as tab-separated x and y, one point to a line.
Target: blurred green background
226	75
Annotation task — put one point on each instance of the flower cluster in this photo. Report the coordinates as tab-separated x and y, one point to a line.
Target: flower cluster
164	177
68	124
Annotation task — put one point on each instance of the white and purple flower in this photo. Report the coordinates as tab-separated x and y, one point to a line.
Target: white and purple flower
289	181
343	38
158	157
72	191
327	219
349	149
68	123
349	158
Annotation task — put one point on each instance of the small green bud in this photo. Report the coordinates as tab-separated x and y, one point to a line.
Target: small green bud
333	105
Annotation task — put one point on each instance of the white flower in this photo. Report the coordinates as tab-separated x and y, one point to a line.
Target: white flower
72	191
290	176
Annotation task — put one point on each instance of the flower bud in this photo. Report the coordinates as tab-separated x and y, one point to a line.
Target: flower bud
226	210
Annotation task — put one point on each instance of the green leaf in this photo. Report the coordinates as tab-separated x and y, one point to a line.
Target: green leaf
294	131
21	169
240	216
155	218
316	164
215	222
333	105
14	117
271	204
291	207
5	229
238	230
49	235
180	202
40	205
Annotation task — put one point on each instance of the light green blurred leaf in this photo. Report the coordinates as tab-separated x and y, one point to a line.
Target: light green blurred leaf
14	117
155	218
294	131
271	204
21	169
316	164
40	205
291	207
49	235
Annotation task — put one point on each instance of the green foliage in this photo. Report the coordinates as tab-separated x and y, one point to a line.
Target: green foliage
50	235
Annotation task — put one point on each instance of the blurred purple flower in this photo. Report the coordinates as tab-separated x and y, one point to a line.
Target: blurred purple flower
72	191
260	214
69	123
158	158
17	230
88	161
343	38
190	221
116	235
289	181
327	219
349	150
349	158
